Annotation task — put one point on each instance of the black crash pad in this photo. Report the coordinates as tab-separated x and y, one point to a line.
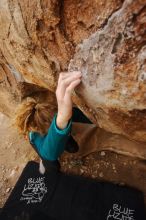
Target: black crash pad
58	196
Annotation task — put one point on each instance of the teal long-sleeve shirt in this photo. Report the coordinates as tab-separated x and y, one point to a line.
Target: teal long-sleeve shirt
51	145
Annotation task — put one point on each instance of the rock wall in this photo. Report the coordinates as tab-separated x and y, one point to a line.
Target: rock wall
106	40
113	62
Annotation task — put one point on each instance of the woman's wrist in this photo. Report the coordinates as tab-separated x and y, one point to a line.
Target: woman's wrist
61	122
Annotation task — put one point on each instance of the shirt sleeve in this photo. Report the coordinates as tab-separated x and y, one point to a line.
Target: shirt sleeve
51	145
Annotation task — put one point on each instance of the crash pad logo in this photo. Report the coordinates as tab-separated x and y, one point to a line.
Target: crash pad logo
34	190
119	213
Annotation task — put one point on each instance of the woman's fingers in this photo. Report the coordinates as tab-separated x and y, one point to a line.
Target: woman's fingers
66	81
65	75
71	87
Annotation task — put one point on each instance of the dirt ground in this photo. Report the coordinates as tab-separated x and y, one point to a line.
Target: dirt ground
15	151
14	154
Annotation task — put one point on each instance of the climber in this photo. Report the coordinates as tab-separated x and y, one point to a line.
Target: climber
32	118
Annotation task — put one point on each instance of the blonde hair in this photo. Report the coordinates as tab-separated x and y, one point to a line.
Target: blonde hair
34	115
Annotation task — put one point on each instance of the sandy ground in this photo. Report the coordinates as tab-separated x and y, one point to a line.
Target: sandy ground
15	151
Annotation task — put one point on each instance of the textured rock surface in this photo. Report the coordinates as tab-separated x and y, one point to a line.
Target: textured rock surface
106	40
113	62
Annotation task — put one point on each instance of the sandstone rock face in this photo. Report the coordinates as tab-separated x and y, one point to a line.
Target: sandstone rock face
113	62
106	40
